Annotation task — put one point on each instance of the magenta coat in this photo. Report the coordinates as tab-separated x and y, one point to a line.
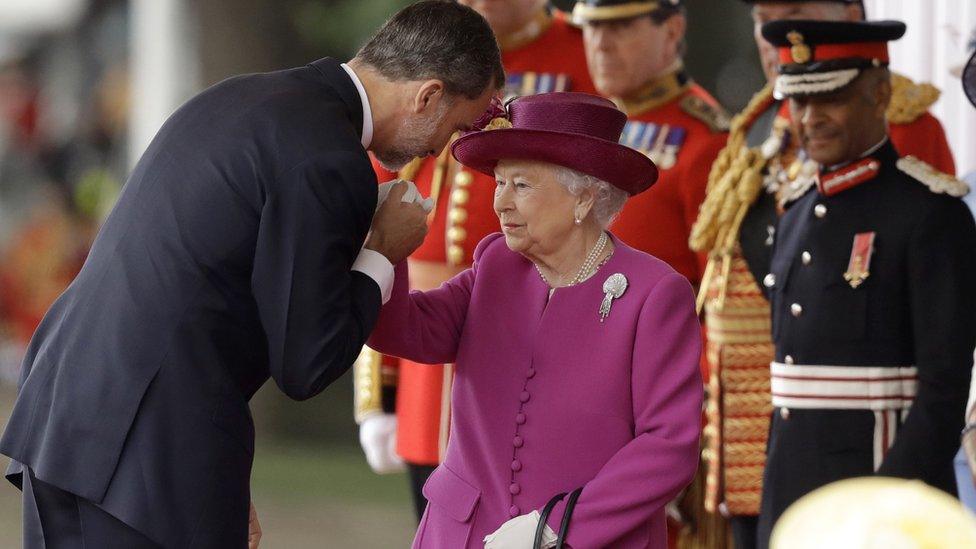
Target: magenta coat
547	398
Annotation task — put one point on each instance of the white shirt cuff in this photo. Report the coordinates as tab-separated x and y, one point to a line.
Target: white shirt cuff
376	266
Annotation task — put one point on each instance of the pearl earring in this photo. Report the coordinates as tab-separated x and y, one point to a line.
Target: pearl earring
578	221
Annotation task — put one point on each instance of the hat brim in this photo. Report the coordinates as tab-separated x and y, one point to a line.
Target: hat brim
969	79
619	165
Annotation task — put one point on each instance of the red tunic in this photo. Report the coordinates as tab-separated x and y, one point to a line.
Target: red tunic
658	221
464	215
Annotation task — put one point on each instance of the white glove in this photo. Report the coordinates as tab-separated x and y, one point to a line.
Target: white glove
377	435
412	195
519	533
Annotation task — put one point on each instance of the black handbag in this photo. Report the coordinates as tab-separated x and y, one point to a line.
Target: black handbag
563	526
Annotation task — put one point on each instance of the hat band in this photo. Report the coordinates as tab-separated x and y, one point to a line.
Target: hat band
788	85
828	52
583	13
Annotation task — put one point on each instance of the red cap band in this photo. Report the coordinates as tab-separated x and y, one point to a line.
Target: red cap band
826	52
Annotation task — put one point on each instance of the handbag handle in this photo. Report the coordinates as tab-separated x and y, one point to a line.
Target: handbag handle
541	528
567	514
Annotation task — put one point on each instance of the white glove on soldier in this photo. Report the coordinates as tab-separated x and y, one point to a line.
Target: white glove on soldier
377	435
519	533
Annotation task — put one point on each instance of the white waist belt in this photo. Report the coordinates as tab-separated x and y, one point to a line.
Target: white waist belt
888	391
843	387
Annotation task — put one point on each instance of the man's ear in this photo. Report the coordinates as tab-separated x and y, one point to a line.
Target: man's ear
429	94
677	25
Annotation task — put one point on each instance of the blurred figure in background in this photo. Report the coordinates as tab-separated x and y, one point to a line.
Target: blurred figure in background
736	228
634	53
404	408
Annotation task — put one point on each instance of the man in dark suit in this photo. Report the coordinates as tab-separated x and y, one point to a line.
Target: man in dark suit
871	282
236	252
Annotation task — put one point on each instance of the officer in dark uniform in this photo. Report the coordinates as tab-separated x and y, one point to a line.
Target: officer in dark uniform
871	282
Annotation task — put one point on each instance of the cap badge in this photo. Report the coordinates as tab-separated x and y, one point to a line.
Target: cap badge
799	51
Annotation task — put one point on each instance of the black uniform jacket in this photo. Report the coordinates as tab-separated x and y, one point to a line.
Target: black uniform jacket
916	308
226	260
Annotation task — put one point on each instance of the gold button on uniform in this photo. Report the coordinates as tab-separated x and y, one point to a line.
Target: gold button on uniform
788	359
463	179
784	413
769	280
457	234
460	196
796	309
820	210
455	254
806	258
457	215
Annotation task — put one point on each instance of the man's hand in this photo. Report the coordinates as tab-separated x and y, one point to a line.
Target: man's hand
398	227
253	529
377	435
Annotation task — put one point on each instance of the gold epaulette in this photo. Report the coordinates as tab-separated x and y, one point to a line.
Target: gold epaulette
909	100
368	384
936	181
713	116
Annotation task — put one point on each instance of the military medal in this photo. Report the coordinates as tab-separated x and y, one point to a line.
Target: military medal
858	268
613	287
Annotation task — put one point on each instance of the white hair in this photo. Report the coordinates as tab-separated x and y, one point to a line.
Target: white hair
607	199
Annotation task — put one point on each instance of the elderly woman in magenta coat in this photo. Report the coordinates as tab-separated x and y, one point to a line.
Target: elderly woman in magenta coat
576	356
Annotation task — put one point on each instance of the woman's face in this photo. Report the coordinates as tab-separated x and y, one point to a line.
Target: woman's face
536	212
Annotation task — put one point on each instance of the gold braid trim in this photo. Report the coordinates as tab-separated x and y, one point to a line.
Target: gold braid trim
409	171
909	100
733	184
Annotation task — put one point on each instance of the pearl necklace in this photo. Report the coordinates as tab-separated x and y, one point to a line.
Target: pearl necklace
588	264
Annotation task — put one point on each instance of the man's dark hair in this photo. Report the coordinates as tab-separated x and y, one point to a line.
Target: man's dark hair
438	39
665	12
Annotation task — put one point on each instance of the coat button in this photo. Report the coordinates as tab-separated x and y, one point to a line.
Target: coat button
530	373
517	441
820	210
520	419
788	359
805	257
514	488
769	280
784	413
524	397
796	309
516	466
514	511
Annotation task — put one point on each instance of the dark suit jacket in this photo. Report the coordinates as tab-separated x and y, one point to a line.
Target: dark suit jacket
917	308
226	260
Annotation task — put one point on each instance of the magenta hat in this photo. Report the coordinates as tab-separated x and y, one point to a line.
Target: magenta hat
576	130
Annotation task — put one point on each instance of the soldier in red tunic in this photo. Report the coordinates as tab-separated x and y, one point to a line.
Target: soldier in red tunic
403	408
634	52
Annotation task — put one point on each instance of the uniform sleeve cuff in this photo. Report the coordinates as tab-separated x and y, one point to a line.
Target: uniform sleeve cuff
376	266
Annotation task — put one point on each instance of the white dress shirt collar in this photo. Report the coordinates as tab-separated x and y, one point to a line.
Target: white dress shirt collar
367	113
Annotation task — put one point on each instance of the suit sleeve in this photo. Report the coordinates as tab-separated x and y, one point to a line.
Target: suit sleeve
316	312
942	269
426	327
662	458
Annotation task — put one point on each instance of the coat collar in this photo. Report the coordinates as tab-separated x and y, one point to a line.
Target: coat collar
334	76
831	181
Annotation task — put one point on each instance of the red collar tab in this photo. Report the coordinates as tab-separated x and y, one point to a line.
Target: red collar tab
848	176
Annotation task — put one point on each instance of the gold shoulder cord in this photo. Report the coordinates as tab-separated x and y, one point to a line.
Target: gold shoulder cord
734	182
909	100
